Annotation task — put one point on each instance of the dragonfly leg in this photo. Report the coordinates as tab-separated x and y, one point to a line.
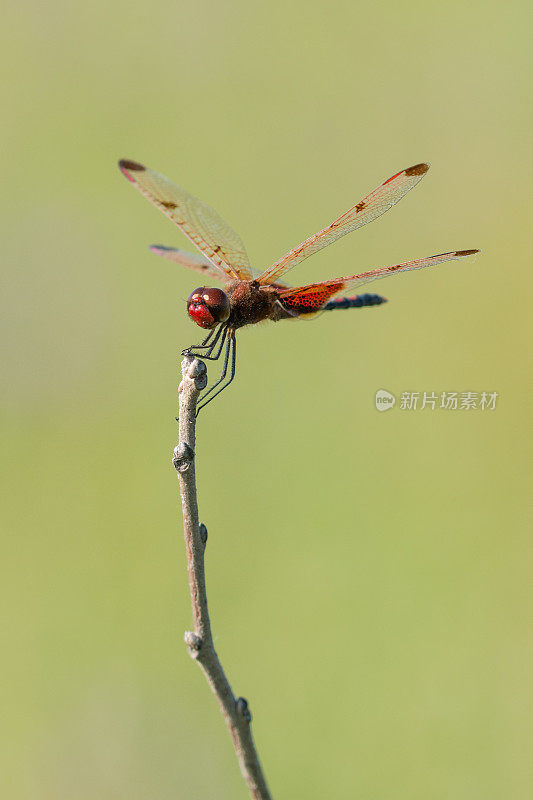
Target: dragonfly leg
231	350
210	345
227	340
200	346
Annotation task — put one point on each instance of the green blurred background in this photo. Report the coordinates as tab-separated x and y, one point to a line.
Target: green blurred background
369	574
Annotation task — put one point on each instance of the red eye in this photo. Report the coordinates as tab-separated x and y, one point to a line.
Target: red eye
207	307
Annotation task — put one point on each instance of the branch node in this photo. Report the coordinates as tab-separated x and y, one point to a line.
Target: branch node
241	705
203	533
193	642
183	457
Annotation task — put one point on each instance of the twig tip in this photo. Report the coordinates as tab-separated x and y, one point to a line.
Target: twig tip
195	369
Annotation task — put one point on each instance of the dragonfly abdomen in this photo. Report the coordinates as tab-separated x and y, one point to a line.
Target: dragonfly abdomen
358	301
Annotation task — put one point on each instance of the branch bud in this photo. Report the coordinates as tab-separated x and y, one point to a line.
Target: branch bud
183	457
241	705
203	533
193	642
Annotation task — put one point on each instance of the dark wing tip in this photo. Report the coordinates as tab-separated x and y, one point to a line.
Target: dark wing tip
466	252
126	163
418	169
126	166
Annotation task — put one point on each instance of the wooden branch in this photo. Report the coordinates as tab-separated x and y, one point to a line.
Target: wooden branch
200	641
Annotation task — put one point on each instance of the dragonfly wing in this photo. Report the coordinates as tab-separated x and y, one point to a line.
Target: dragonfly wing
370	208
309	299
191	260
200	223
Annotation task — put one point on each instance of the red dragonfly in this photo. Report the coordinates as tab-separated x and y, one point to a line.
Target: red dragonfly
251	297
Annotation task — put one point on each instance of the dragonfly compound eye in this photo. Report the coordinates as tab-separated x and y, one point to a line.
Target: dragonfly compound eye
207	307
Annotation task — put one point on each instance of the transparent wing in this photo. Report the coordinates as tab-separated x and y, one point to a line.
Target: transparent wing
190	260
370	208
200	223
311	298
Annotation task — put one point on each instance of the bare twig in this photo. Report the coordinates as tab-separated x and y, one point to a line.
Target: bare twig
200	641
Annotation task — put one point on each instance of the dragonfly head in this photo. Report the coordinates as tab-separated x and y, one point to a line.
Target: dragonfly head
207	307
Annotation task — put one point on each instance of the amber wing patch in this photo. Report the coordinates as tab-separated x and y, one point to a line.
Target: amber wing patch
309	299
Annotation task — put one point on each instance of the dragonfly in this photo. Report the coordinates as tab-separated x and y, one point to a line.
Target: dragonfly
249	296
